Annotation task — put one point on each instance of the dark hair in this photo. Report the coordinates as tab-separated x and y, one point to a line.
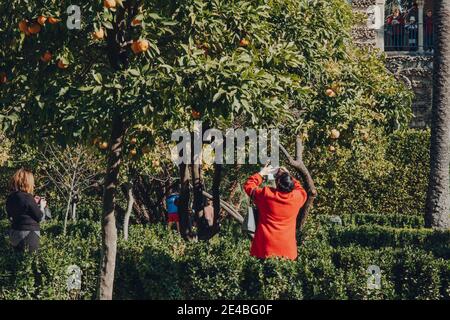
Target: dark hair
285	183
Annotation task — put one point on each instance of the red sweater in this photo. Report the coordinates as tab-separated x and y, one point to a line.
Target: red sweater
275	232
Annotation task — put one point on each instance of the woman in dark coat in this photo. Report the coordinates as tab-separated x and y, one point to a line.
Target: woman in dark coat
24	213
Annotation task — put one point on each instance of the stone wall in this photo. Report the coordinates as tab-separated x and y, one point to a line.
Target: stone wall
417	73
362	33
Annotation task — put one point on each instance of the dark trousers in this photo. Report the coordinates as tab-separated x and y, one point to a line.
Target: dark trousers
30	243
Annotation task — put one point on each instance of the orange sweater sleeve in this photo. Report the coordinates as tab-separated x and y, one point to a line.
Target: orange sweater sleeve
252	183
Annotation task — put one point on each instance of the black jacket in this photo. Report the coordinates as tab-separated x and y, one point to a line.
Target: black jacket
23	211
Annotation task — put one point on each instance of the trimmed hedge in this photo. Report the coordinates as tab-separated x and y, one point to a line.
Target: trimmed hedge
157	264
390	220
44	275
437	242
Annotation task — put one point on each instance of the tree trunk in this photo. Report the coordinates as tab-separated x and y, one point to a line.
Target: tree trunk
438	196
199	204
216	198
310	188
130	204
66	216
74	211
183	207
109	230
142	204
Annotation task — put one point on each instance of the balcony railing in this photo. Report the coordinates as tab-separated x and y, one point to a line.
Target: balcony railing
406	37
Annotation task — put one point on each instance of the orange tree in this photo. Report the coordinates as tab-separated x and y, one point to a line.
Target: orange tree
160	64
132	62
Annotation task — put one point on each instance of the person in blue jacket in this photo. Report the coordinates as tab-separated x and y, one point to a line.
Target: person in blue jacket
172	208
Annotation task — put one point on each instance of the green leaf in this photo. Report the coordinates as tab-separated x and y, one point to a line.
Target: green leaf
155	47
63	91
218	95
98	77
97	89
107	25
134	72
69	117
84	89
169	23
154	16
13	117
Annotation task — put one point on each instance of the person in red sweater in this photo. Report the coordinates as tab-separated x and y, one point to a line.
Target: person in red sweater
395	27
278	209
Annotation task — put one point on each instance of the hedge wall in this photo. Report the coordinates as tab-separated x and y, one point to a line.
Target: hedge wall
157	264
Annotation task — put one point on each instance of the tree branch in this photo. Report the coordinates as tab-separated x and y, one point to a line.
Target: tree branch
310	188
227	207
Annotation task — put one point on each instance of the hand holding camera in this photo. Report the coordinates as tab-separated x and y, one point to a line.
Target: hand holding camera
41	202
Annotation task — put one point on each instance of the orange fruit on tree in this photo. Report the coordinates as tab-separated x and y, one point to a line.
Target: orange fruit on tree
109	4
331	149
62	65
53	20
244	42
98	34
133	140
34	28
46	57
330	93
135	22
133	152
139	46
196	114
143	45
3	78
334	134
134	47
103	145
41	20
23	26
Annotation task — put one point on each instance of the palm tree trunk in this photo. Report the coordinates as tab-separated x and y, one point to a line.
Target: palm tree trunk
438	196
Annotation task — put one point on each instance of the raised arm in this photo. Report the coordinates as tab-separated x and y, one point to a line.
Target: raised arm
35	212
252	183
